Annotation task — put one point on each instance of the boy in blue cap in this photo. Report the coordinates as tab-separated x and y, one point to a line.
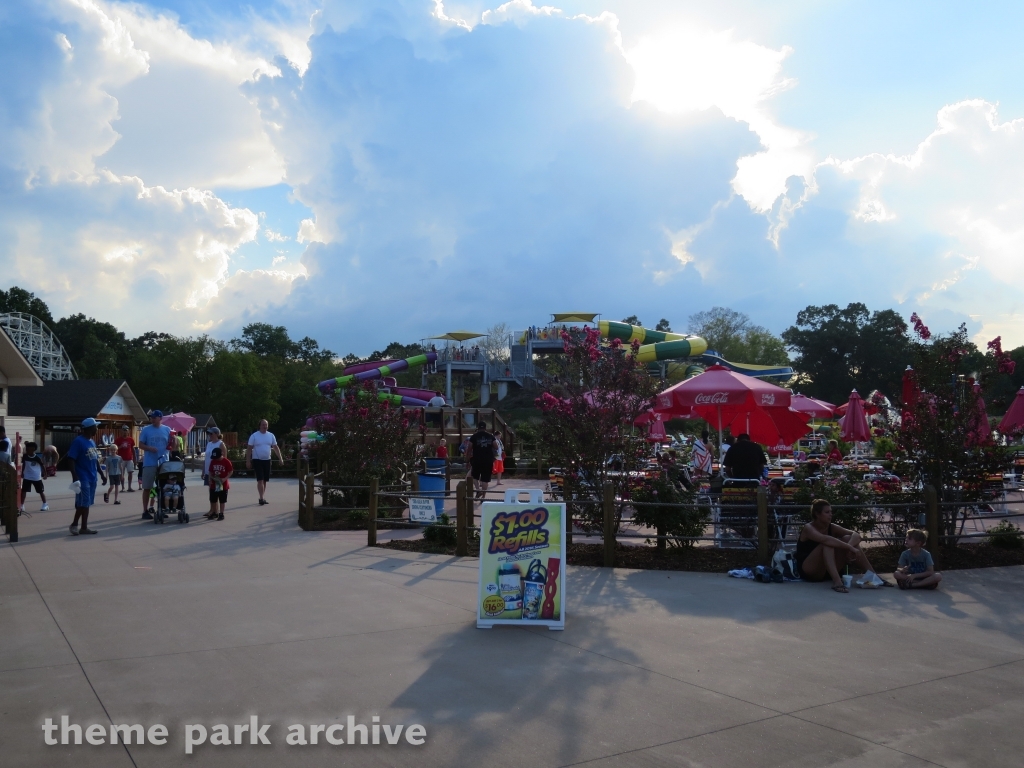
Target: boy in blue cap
84	472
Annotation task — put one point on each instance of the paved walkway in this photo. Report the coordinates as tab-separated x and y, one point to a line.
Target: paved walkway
215	622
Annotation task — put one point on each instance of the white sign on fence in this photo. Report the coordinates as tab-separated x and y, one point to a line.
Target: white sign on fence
422	511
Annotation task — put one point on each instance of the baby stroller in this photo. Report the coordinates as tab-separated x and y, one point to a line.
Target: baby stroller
170	490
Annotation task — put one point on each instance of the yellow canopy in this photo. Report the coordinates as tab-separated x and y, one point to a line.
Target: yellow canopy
459	336
574	317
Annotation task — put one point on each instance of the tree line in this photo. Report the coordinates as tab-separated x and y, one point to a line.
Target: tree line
264	373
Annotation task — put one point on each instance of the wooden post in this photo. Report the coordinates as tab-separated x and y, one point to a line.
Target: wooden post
415	482
762	526
931	512
10	501
310	499
371	518
608	505
463	499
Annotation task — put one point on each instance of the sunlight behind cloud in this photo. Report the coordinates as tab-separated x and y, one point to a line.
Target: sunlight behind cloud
687	69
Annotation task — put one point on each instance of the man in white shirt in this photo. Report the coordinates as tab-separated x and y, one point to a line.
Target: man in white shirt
258	456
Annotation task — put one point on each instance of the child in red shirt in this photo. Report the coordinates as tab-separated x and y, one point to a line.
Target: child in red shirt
220	470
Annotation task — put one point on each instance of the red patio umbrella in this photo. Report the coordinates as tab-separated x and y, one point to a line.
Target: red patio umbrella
1013	421
911	390
981	433
855	423
718	396
771	426
816	409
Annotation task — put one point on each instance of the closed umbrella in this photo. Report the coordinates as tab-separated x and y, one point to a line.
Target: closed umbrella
911	390
855	422
981	432
1013	421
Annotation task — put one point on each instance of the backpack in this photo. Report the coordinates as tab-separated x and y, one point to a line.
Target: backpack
784	563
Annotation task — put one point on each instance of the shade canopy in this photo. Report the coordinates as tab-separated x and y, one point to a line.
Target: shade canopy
724	398
720	391
817	409
855	422
179	422
574	317
1013	421
459	336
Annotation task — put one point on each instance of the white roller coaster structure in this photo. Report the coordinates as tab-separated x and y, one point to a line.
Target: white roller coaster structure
39	345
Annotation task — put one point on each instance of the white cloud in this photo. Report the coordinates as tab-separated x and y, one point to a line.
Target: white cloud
683	69
518	12
308	232
274	237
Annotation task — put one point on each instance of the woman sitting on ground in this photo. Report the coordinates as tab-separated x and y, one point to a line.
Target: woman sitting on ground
824	548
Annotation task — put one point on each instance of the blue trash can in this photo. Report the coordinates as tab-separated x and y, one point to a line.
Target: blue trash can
432	486
435	465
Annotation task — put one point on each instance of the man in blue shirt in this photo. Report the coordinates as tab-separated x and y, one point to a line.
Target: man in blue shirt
153	442
84	471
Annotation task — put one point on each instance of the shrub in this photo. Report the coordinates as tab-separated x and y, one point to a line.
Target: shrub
1007	536
435	533
665	516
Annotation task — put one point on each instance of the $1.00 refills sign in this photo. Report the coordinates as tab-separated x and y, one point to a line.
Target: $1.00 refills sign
522	563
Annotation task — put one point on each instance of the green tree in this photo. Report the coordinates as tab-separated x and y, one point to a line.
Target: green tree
663	325
98	350
587	417
632	320
839	350
19	300
265	340
735	337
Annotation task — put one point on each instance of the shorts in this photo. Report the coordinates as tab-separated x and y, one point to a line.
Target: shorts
147	478
221	496
28	485
499	467
482	472
85	497
114	479
261	468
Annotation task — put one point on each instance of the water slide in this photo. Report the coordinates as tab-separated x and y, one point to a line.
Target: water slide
379	371
657	346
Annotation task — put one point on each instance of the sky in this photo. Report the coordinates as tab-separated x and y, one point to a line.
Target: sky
365	172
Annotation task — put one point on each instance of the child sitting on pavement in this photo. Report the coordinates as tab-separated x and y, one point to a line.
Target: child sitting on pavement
916	568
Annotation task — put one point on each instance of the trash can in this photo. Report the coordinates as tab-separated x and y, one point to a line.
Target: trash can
435	466
432	486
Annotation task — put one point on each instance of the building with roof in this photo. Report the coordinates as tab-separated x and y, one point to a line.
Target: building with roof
16	372
59	407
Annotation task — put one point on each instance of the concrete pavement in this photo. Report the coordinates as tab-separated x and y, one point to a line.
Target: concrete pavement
215	622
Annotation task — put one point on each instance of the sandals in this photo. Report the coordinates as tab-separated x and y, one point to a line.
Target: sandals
840	588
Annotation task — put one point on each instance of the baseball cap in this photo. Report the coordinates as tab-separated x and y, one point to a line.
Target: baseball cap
90	422
155	413
124	426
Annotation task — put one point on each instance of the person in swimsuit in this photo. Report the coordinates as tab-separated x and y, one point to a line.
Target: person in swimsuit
824	548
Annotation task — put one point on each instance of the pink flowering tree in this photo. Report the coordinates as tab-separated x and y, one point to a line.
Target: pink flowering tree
943	436
594	394
366	438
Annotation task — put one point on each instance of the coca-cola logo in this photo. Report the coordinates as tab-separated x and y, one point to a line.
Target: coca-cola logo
768	398
718	398
664	401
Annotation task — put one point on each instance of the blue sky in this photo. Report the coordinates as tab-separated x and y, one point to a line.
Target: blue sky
363	172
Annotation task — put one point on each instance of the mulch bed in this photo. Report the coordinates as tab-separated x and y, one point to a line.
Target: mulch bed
714	560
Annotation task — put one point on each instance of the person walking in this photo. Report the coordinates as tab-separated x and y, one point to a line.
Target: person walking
220	471
499	458
258	456
114	468
481	458
84	472
153	441
126	450
32	471
214	442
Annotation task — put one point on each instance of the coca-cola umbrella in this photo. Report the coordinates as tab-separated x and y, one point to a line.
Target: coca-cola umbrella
719	395
771	425
1013	421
